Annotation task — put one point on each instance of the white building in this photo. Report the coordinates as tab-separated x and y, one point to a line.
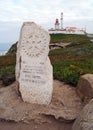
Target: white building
67	30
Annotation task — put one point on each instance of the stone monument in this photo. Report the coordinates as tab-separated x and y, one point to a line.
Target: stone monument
33	68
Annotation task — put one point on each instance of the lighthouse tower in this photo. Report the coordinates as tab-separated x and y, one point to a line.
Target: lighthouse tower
61	20
56	24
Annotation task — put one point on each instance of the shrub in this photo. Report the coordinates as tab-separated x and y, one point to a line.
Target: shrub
7	75
70	70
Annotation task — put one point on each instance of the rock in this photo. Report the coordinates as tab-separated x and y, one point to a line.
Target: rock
85	87
65	105
33	68
85	119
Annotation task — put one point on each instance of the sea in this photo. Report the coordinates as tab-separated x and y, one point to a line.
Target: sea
4	47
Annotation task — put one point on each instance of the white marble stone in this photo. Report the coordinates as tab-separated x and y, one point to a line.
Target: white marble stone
33	68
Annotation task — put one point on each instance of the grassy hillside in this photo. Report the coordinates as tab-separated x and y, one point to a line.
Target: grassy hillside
68	63
72	38
71	62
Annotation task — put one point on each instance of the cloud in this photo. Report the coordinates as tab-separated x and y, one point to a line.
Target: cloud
12	12
44	12
9	32
21	10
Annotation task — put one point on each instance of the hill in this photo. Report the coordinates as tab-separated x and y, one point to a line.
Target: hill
71	38
12	50
68	63
59	38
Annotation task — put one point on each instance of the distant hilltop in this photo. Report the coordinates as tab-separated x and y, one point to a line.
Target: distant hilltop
67	30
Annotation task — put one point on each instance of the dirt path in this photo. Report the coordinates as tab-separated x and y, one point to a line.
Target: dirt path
54	125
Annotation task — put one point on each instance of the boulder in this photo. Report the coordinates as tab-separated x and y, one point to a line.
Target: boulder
85	119
85	87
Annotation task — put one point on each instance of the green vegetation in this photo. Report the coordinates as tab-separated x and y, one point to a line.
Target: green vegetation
72	38
68	63
70	70
7	69
71	62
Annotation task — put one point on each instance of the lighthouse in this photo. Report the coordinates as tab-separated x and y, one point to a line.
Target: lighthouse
59	29
57	24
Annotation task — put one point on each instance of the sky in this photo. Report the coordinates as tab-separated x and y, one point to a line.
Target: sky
77	13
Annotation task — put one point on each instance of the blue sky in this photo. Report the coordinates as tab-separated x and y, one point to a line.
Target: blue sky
13	13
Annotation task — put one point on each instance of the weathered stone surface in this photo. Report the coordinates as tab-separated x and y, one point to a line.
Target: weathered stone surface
65	105
33	67
85	119
85	87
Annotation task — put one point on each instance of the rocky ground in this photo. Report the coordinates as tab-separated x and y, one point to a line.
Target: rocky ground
53	125
59	115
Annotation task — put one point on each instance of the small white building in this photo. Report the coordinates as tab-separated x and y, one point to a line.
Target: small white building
67	30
